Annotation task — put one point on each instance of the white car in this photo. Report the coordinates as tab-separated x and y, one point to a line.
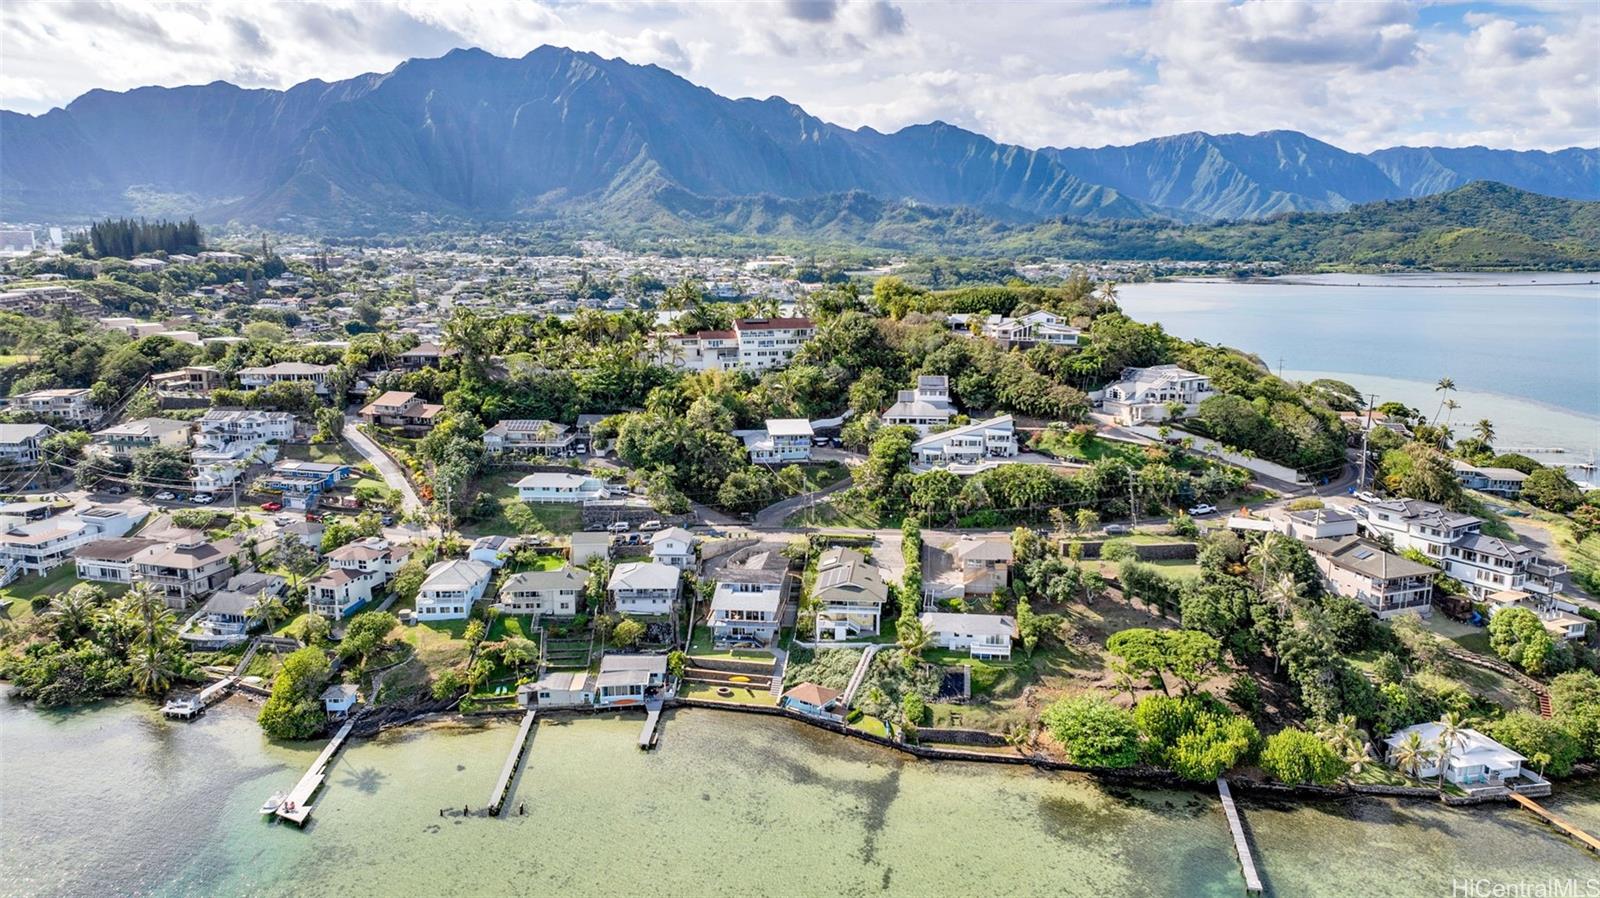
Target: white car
1200	510
204	498
166	496
650	525
619	527
1368	496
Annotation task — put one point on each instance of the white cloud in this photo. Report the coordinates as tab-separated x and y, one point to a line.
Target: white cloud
1358	74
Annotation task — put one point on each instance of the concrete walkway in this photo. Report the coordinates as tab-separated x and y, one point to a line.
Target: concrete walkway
860	674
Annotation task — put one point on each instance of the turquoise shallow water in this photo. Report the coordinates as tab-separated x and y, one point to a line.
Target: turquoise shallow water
118	801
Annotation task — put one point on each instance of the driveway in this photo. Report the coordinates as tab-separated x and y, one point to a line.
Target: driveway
391	473
775	514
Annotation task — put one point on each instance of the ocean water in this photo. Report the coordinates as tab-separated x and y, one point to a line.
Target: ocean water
1523	350
117	801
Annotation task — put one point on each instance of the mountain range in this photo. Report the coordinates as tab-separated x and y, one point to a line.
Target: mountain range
475	137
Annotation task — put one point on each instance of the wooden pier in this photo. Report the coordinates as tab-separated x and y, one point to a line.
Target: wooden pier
652	720
190	707
1241	845
502	786
297	807
1589	841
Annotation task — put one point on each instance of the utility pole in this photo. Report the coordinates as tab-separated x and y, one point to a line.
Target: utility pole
1133	501
1361	477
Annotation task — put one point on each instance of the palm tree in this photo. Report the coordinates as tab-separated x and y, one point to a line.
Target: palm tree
152	670
1346	737
1484	430
1450	405
1445	386
1262	556
1541	759
1410	755
266	609
74	610
518	653
1451	732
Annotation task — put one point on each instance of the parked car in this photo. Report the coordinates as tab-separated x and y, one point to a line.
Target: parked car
204	498
594	528
1114	529
647	526
619	527
1202	509
821	441
166	495
117	490
1368	496
283	520
272	506
387	520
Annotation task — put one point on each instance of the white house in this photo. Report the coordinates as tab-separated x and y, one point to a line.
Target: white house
1319	523
558	689
1386	583
1506	482
233	433
561	487
340	698
1483	564
123	440
783	441
70	405
39	546
1472	760
674	546
371	554
644	587
112	560
754	344
287	372
558	593
21	444
450	588
585	547
492	550
340	592
1143	394
747	604
924	408
628	679
849	593
982	635
527	437
1559	616
1034	328
970	444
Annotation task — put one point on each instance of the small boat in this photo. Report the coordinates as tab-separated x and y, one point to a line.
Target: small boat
272	804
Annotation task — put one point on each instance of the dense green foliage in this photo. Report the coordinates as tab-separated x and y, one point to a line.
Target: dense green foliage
1296	756
1093	731
294	709
126	238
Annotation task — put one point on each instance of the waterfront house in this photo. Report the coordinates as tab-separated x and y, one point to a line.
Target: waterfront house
450	587
1143	395
924	408
558	593
982	635
123	440
644	587
287	372
785	440
849	593
815	701
555	487
968	445
964	566
558	689
1386	583
397	408
674	546
339	699
223	620
747	602
628	679
1503	482
529	438
21	444
1473	761
189	567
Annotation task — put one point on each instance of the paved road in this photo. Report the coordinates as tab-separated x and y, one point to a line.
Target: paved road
775	514
410	502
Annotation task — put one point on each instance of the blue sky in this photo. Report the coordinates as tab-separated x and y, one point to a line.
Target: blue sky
1361	75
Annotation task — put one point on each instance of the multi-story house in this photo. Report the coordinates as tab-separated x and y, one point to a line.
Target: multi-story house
450	588
123	440
982	635
371	554
340	592
22	444
227	434
785	440
39	546
287	372
400	409
529	437
1144	394
849	593
747	603
1029	330
1506	482
673	546
924	408
558	593
629	679
302	483
970	444
561	487
188	380
425	355
1386	583
113	559
1483	564
1559	616
754	344
188	568
71	406
965	566
644	587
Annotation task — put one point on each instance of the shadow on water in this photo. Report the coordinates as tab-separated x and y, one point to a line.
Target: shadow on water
368	780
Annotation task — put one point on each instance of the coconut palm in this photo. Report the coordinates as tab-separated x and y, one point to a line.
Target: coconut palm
519	653
267	609
1410	755
1264	556
1452	727
1450	406
152	670
1445	386
1484	430
1346	737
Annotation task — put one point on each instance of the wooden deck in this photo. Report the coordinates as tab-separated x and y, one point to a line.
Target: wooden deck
300	797
1589	841
647	736
1241	845
502	786
207	697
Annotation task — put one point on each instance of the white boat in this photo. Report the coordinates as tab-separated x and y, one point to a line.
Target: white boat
272	804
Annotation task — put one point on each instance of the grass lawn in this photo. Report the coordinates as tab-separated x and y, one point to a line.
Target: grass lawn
700	646
866	723
512	626
552	518
1092	449
830	513
742	695
335	453
1175	569
23	590
538	563
438	644
1375	774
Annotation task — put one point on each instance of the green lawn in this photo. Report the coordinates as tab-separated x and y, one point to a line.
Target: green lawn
512	626
334	453
1090	450
552	518
27	587
829	512
538	563
742	695
866	723
700	646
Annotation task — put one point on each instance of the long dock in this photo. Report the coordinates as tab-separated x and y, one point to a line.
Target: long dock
502	786
297	807
647	736
1539	810
1247	862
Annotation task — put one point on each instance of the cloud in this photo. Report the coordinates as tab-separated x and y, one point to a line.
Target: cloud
1499	41
813	11
886	18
